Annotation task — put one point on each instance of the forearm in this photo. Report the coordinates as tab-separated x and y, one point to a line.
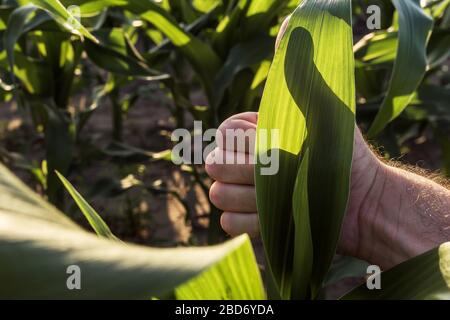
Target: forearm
411	215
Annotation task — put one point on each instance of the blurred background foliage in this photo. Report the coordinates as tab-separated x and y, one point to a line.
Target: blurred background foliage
98	103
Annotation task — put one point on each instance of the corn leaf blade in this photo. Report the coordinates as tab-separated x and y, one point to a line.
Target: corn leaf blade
259	15
410	64
111	54
63	17
426	277
310	98
16	24
38	244
202	58
94	219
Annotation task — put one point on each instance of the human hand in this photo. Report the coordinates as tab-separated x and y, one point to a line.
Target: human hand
392	215
234	190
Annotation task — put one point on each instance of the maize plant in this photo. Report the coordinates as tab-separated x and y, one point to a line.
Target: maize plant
312	86
49	54
318	84
44	58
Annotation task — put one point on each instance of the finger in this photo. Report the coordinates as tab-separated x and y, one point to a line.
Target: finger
283	29
238	133
239	223
249	116
230	167
233	197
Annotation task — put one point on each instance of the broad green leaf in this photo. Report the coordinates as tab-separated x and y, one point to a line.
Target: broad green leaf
376	48
63	17
228	27
259	15
62	54
303	245
242	56
243	283
187	10
17	201
38	244
236	94
426	277
194	28
16	25
410	64
205	5
116	54
33	74
203	59
91	215
374	56
5	12
439	7
91	7
310	98
59	147
256	86
438	47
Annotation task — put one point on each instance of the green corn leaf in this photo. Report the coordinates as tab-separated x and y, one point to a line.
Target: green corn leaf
19	201
5	12
303	246
92	7
33	74
63	17
59	146
377	48
94	219
242	283
259	15
38	244
203	59
116	54
242	56
438	8
374	54
439	47
205	5
410	64
17	24
310	98
255	88
188	12
426	277
227	26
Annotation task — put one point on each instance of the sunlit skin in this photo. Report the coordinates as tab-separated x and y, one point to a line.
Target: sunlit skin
393	214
